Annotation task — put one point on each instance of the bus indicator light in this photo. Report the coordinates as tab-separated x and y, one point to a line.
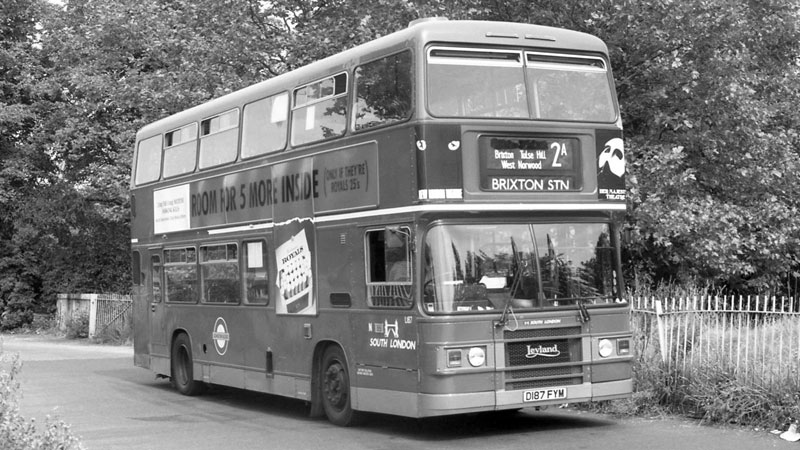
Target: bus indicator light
623	347
454	358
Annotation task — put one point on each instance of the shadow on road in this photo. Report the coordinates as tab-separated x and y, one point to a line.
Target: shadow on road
483	424
428	429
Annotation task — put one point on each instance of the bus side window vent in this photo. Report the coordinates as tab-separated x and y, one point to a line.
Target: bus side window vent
343	239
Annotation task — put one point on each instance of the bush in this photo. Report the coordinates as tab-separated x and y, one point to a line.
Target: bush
712	394
12	320
43	323
18	433
718	397
118	332
78	326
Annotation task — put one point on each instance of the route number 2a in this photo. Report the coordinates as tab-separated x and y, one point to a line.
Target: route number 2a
559	149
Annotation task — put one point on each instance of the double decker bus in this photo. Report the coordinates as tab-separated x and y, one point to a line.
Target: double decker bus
423	225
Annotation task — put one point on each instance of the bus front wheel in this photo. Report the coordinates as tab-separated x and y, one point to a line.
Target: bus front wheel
182	367
335	388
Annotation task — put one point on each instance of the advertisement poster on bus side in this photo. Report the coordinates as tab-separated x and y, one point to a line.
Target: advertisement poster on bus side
294	254
235	198
347	178
344	179
171	209
610	166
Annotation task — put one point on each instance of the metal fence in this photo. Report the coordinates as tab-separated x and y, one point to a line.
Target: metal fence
102	310
755	339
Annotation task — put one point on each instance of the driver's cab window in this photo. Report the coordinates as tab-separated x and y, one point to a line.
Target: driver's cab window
389	268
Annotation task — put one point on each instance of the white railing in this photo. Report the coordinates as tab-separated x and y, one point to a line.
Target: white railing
756	339
103	310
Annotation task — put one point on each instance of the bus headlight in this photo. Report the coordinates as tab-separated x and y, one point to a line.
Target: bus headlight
476	356
605	348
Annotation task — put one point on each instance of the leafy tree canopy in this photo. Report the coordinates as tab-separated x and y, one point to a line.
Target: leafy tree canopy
708	91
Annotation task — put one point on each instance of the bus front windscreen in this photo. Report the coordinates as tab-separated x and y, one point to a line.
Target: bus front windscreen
508	84
473	268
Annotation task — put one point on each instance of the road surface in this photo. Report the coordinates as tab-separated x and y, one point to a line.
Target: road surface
110	404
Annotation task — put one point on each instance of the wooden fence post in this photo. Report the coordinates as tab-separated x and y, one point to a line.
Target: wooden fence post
662	332
92	314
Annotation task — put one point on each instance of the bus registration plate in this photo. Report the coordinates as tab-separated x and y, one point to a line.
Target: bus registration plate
540	395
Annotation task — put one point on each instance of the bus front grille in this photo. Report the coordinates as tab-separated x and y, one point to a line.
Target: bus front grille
536	358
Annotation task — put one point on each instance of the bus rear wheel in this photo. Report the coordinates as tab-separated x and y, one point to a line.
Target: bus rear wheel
335	388
182	367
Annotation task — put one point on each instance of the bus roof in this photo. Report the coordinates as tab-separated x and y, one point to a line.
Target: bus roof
422	30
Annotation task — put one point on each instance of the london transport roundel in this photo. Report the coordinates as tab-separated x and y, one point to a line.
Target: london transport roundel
220	336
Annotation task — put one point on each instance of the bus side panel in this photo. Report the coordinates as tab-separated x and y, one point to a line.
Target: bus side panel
386	346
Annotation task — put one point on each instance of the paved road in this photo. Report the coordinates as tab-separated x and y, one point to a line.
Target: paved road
111	404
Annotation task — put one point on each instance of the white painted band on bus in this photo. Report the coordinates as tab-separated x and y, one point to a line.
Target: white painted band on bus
493	207
255	226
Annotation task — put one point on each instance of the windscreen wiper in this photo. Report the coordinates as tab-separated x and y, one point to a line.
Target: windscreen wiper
514	286
540	297
583	313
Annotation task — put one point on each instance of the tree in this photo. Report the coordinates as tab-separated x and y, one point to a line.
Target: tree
708	91
21	168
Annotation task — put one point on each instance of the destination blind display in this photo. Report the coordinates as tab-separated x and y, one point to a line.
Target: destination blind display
530	164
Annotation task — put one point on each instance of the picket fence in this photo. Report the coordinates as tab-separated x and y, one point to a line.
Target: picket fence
755	339
103	310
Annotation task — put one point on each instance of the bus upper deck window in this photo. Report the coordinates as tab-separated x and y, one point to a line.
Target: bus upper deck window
320	110
499	83
148	160
264	125
219	139
180	150
464	82
566	87
383	91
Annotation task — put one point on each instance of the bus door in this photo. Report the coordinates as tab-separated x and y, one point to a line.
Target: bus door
158	339
141	312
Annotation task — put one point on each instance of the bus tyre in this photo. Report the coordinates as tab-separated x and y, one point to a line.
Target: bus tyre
182	367
335	388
